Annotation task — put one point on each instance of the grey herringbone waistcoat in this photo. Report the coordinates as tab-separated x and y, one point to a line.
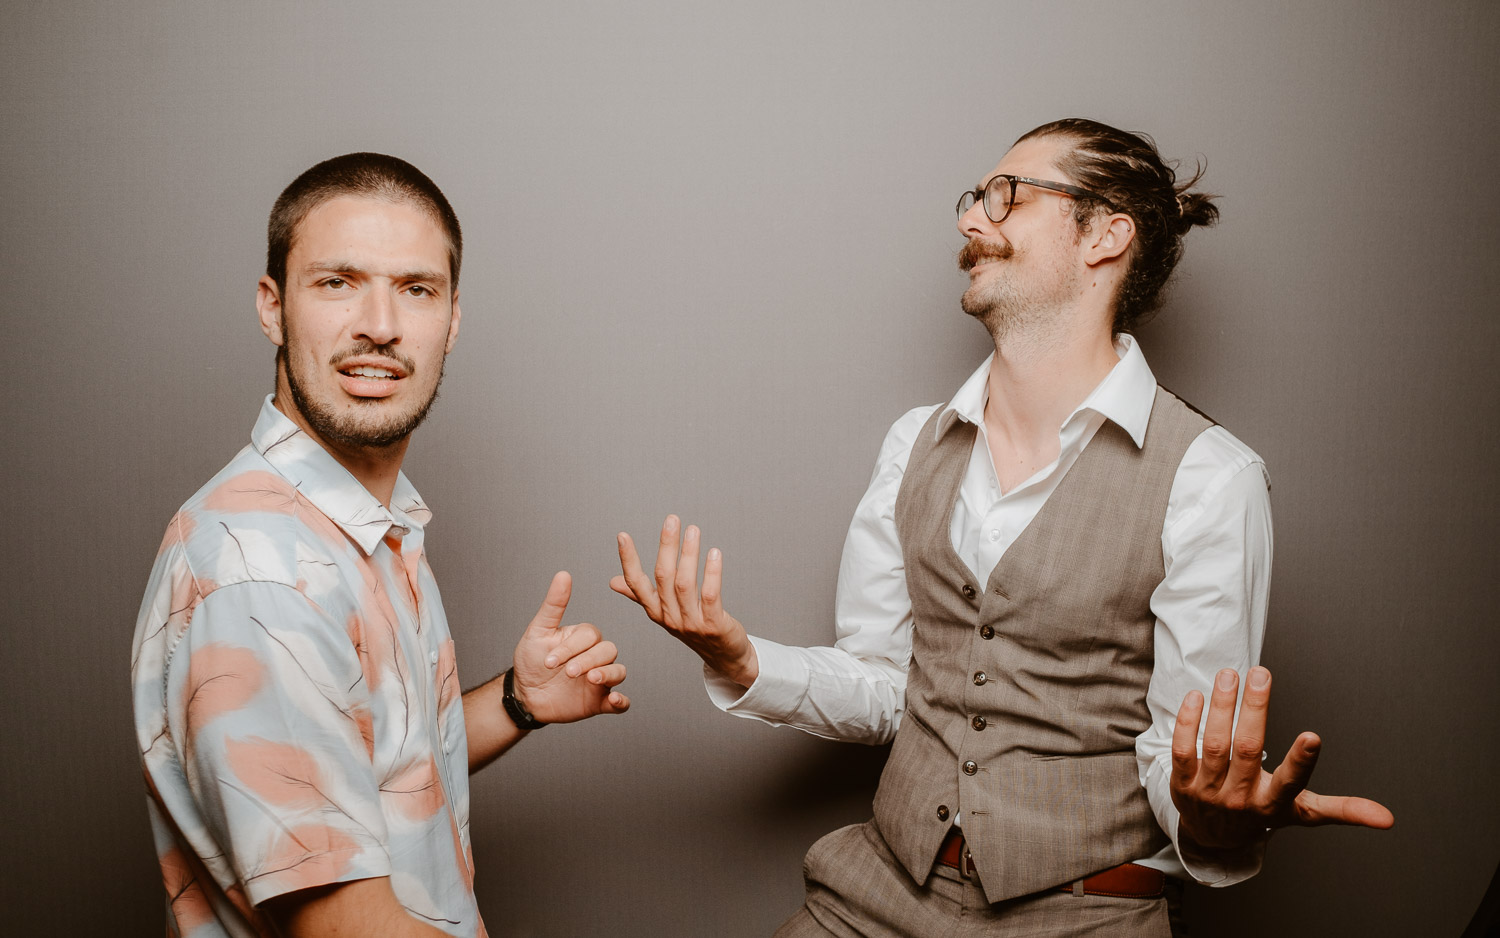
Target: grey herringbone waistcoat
1025	694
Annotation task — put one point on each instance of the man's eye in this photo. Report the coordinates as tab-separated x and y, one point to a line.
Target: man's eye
419	290
335	283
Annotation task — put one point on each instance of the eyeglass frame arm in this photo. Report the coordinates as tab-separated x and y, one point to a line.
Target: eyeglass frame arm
1077	192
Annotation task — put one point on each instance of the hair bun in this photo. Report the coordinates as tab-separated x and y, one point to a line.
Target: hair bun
1196	208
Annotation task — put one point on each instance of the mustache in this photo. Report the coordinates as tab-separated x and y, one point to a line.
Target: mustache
370	348
977	251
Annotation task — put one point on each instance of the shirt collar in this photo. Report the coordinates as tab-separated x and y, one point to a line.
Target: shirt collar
330	487
1125	396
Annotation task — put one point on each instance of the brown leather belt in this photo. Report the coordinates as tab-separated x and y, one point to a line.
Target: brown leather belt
1126	881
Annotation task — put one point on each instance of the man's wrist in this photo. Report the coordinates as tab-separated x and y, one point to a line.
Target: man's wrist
745	670
514	708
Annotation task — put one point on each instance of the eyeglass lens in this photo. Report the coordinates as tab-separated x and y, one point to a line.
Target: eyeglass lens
997	198
997	195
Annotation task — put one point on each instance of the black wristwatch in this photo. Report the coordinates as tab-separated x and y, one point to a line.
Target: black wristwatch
518	715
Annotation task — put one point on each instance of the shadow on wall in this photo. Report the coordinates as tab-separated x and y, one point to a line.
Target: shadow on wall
833	779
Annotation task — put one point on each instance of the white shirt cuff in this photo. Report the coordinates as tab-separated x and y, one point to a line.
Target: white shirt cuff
1220	869
778	690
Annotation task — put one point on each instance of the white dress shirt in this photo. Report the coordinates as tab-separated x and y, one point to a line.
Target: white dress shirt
1210	607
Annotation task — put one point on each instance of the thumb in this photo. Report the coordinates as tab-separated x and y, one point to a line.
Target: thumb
549	617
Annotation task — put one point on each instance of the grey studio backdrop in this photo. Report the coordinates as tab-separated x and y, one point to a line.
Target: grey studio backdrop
710	260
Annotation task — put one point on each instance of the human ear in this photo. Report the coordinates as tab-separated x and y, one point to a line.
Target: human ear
453	326
268	308
1110	240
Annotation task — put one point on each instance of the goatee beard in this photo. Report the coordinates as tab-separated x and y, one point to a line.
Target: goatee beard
994	303
346	430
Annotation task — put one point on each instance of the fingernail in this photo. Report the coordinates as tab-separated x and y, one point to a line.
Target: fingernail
551	661
1227	679
1259	678
713	553
572	671
692	532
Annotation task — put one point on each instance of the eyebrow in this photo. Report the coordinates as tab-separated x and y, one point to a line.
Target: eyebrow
348	267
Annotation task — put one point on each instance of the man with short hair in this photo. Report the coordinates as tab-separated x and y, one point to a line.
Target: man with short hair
1040	572
305	743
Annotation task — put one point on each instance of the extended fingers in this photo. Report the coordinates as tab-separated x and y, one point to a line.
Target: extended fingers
1218	730
633	582
713	586
666	566
1289	790
1185	741
686	581
1314	809
1294	772
1250	731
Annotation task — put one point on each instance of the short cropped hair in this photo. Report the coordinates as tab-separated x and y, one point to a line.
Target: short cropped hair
363	174
1126	168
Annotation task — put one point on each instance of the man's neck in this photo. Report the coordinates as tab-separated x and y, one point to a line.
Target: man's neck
1036	381
375	468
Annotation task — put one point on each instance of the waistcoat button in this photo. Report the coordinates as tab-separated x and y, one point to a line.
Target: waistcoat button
942	812
980	678
970	767
979	722
968	591
986	632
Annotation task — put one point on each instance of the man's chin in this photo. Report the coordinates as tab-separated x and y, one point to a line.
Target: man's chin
975	304
369	425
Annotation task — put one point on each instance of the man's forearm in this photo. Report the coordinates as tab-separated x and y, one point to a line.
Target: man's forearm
489	728
359	909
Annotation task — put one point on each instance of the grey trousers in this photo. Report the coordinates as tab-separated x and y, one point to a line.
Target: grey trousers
857	889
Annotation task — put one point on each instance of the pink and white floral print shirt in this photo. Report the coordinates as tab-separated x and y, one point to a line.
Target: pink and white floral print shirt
297	702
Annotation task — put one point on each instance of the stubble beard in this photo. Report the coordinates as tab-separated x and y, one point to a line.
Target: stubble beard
355	430
995	301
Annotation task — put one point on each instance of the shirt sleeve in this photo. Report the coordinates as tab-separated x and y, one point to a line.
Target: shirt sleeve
854	691
265	703
1210	613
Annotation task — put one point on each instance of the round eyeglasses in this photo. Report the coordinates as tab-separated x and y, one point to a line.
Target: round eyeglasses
999	195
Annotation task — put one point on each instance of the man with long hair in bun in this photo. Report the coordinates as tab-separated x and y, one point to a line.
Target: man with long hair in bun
1045	577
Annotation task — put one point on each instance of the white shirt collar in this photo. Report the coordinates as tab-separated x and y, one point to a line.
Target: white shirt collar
302	461
1125	396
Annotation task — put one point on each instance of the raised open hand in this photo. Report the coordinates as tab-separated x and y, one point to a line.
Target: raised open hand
565	673
674	602
1226	800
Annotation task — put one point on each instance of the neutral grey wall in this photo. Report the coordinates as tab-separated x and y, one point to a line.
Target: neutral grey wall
710	260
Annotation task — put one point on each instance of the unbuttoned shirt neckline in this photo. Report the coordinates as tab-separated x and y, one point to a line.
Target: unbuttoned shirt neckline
980	532
335	492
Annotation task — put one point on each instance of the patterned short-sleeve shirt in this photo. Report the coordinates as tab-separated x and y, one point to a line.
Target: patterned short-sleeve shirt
297	702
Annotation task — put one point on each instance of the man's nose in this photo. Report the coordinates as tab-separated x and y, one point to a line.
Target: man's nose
377	321
974	222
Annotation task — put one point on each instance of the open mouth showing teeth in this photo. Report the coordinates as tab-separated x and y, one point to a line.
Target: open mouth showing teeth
365	371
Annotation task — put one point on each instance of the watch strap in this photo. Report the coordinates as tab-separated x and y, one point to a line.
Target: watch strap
518	715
